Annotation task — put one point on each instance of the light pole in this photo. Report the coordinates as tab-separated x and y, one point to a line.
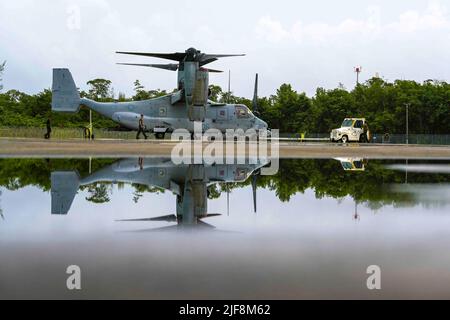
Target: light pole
229	86
358	70
90	125
356	216
1	211
407	123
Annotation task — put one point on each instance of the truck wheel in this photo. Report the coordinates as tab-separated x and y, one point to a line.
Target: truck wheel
344	139
160	136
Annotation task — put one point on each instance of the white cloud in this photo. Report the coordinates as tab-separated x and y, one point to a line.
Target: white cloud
299	42
434	18
271	30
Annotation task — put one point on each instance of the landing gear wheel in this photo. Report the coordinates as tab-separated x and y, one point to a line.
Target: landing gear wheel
160	136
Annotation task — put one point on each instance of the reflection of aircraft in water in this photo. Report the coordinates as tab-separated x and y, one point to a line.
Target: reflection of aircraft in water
188	182
352	164
421	168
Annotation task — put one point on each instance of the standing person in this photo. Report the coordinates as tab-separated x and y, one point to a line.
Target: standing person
141	128
49	129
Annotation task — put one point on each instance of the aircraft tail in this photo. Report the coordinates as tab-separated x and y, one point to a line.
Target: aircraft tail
66	97
65	186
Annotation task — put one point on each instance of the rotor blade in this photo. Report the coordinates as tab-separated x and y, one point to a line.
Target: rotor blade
216	56
208	58
211	70
212	215
255	96
177	56
171	67
254	188
163	229
202	224
169	218
134	220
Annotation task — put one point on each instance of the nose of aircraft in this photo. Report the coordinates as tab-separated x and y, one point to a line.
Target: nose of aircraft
261	125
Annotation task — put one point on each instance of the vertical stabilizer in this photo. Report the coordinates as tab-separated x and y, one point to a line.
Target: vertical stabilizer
64	188
65	95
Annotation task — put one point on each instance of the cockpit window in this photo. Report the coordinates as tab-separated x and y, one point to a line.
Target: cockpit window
242	111
240	174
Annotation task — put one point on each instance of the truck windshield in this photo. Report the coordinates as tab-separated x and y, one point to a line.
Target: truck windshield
347	165
347	123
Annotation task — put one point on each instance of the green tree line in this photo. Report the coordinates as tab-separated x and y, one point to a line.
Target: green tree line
325	177
381	102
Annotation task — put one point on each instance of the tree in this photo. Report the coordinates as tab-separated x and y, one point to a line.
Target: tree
293	109
215	92
99	89
142	94
2	68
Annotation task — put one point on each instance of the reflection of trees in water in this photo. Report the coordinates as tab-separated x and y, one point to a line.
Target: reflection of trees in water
1	210
214	192
325	177
140	190
99	193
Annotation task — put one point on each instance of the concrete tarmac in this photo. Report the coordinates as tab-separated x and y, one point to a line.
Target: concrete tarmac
36	148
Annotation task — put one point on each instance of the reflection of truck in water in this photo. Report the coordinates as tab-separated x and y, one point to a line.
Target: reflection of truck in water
352	130
352	164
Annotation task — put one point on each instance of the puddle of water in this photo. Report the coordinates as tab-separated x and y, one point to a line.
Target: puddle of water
194	232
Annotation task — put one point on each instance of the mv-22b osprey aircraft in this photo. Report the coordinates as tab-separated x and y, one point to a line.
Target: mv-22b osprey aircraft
179	110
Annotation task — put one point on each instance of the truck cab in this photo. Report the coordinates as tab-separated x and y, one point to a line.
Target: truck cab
352	164
351	130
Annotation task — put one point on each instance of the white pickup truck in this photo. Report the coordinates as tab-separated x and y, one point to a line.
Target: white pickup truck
352	130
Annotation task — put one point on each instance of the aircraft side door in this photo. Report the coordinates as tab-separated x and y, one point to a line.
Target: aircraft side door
221	118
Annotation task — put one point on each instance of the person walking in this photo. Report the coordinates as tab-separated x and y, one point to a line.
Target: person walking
49	129
141	128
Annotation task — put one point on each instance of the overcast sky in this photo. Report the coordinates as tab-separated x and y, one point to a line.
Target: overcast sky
305	43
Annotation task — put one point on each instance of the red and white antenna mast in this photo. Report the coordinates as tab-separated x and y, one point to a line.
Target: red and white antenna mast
358	70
